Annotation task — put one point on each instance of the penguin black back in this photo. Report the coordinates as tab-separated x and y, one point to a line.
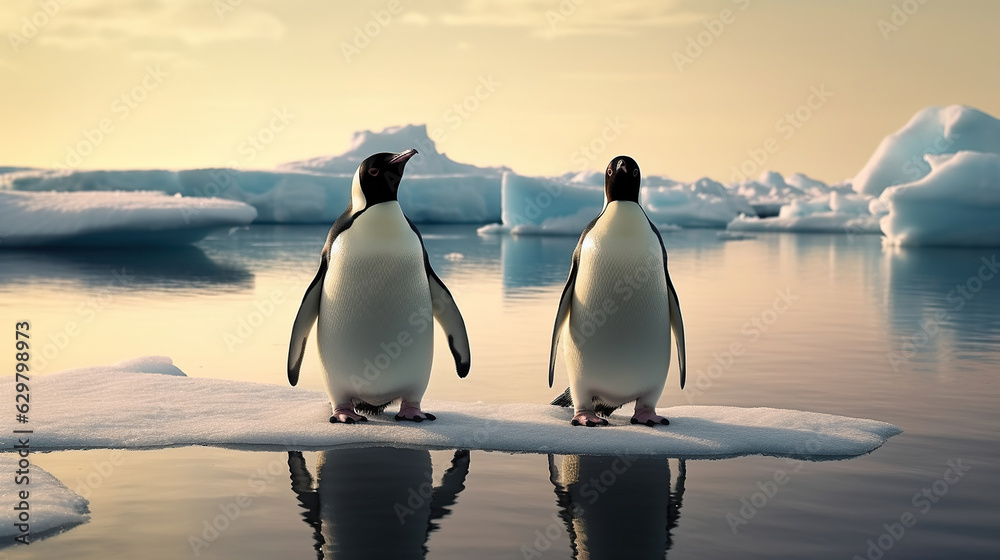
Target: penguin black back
621	180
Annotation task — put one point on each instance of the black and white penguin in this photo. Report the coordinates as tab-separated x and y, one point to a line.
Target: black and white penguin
375	296
617	310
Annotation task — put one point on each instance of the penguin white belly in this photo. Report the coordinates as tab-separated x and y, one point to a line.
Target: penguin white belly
617	338
374	332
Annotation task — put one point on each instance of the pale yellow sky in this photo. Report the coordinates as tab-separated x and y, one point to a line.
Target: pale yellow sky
532	84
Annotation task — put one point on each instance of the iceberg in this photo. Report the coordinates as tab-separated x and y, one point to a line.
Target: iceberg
54	508
769	192
702	204
937	179
31	219
900	157
956	204
564	205
290	197
539	205
148	402
833	213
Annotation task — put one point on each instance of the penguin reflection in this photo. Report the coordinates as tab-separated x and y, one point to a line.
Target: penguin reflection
619	506
375	502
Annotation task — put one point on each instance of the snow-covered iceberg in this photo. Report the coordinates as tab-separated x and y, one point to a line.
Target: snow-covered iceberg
564	205
900	157
435	190
704	203
539	205
956	204
52	508
148	402
30	219
393	139
937	179
833	213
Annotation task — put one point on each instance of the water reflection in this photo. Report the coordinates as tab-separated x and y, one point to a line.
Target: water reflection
136	269
618	506
375	502
535	261
942	301
49	509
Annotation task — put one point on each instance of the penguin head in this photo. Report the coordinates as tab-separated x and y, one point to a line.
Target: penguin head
621	180
377	178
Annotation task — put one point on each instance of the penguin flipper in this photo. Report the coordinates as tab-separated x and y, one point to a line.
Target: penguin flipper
561	316
447	314
304	319
676	322
677	326
567	297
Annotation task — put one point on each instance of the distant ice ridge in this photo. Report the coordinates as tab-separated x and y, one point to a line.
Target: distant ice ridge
565	204
113	218
938	179
53	507
393	139
148	402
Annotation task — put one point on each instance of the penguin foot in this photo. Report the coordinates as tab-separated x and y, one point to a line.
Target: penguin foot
648	417
347	418
588	418
346	415
413	413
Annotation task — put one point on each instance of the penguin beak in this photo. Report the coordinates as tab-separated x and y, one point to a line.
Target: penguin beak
621	167
404	156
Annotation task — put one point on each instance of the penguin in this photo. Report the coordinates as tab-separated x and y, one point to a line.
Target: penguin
374	299
617	310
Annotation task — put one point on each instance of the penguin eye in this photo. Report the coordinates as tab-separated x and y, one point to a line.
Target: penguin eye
610	172
635	172
373	172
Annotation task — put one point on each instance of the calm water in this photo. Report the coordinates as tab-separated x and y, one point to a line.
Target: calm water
822	323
